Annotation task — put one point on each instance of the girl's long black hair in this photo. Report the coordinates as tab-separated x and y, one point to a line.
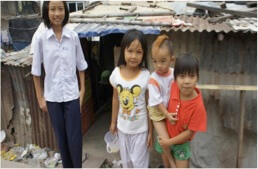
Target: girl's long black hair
128	38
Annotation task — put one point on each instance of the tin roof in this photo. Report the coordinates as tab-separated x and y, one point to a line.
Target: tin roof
183	19
200	25
108	14
98	29
20	58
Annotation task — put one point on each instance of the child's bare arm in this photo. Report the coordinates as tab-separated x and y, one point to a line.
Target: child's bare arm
150	126
163	109
115	108
168	115
179	139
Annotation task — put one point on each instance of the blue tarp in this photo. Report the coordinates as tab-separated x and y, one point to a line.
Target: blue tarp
94	29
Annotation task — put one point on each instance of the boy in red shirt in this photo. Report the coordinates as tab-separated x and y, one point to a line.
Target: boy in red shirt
189	114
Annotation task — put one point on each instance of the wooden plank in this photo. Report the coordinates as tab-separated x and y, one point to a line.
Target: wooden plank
79	20
93	162
127	14
220	18
241	131
227	87
251	4
215	9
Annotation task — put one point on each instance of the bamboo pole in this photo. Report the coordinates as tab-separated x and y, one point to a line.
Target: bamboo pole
241	130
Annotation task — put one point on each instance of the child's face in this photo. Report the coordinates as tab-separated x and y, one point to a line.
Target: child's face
133	54
186	84
56	13
162	60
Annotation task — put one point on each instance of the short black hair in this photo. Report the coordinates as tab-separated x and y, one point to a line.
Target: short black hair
186	64
45	16
128	38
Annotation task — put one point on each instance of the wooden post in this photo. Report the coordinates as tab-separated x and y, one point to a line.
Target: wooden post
241	130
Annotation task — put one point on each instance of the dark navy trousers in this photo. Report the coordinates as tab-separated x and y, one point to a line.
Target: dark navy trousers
66	121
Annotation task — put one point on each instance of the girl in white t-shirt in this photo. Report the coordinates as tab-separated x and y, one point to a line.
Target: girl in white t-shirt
159	90
129	114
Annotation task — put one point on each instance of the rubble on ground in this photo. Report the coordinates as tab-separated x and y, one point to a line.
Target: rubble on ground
31	154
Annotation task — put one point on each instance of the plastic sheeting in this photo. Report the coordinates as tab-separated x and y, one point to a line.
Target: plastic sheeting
22	29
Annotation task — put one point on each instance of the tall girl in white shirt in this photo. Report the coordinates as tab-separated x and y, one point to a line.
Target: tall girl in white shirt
159	91
60	52
129	114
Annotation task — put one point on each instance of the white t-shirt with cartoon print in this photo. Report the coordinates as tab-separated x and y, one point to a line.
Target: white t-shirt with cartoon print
132	115
159	87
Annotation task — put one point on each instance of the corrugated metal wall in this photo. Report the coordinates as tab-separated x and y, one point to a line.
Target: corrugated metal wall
22	118
7	102
232	61
28	124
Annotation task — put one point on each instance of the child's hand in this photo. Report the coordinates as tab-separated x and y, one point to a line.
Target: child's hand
149	140
163	141
172	118
113	128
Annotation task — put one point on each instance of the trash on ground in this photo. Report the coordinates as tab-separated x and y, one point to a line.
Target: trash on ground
117	164
32	154
2	136
50	162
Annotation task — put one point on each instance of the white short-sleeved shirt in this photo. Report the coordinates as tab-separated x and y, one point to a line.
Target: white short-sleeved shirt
159	87
60	60
132	114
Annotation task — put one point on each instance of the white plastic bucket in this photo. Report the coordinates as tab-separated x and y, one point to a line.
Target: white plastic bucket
112	142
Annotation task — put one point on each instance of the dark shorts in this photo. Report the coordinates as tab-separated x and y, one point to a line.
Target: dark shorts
179	151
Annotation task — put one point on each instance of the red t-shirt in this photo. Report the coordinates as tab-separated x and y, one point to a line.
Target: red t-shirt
191	113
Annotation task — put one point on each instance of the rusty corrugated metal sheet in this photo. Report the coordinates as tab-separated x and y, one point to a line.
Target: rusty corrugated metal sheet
21	120
34	126
7	102
20	58
183	13
29	124
232	61
42	131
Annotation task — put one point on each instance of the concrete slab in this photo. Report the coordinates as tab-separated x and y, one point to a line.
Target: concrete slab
93	140
12	164
94	144
93	162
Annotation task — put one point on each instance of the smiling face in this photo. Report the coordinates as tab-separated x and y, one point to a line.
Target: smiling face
56	13
162	60
133	54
